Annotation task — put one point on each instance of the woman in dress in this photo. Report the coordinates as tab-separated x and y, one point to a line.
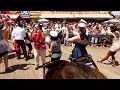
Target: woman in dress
115	41
81	41
55	46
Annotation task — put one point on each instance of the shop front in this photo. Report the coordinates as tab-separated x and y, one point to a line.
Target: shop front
75	16
116	14
35	15
13	15
25	16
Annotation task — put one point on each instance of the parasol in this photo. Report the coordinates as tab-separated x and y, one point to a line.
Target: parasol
83	21
43	20
112	21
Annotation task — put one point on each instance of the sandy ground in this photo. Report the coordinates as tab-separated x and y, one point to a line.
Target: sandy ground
26	69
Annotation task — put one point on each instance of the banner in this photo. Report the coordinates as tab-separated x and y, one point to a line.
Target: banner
10	12
68	12
25	14
81	12
35	13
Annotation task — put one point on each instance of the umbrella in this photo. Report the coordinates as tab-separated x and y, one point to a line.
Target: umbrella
112	21
43	20
10	21
83	21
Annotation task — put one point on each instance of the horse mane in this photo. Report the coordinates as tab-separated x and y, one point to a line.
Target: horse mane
62	69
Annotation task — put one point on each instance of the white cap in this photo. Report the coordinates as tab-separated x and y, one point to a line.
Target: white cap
53	33
81	25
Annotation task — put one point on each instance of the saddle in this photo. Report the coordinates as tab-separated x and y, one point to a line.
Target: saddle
80	60
53	64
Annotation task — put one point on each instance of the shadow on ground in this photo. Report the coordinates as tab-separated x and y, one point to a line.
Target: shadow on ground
16	67
11	56
108	63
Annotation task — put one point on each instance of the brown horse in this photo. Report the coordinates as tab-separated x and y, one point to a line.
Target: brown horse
62	69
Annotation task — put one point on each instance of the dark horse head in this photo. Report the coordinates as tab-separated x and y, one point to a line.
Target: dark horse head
62	69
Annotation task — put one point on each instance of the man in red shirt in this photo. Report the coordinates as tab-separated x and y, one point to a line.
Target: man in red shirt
39	46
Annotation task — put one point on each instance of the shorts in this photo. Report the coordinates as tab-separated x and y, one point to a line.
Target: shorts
4	53
38	53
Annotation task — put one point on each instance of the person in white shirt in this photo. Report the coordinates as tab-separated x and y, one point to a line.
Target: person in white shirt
18	35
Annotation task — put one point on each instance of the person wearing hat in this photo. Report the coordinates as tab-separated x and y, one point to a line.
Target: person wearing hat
81	41
55	46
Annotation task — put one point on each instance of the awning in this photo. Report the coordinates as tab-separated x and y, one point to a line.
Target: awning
56	16
13	16
25	16
112	21
116	13
99	16
94	16
34	17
